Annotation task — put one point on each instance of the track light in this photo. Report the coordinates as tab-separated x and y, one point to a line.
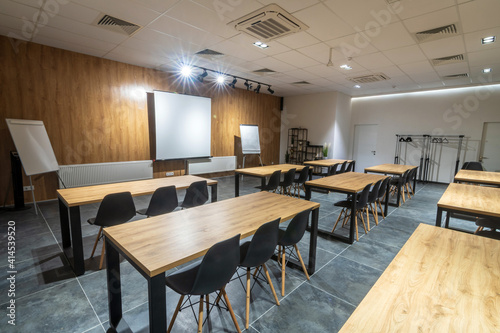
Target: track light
220	79
248	85
257	90
186	70
232	84
202	75
270	90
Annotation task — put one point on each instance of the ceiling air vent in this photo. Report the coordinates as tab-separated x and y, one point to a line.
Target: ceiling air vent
445	31
210	54
264	71
369	78
448	60
116	25
301	83
456	76
268	23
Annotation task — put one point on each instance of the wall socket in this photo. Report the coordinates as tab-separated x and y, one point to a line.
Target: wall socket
170	173
28	188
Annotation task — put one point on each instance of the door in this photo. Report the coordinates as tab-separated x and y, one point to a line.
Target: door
364	149
490	147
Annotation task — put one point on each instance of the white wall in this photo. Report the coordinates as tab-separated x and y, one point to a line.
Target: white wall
443	112
326	117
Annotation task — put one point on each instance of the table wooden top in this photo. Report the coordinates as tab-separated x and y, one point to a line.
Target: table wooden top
266	171
90	194
441	281
326	163
159	243
390	169
480	177
351	182
471	199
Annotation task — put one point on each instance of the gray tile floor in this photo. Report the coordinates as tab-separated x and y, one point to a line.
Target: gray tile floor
49	298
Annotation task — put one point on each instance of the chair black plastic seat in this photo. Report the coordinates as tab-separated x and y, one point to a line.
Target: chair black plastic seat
287	181
489	234
273	183
196	194
163	201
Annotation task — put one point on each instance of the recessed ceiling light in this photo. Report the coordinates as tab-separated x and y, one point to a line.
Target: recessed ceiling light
488	40
486	70
357	86
346	67
261	45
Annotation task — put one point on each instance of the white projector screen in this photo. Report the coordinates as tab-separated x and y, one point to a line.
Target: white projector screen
182	126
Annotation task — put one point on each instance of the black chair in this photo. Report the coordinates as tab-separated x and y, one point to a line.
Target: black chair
209	275
372	200
381	195
409	182
163	201
491	223
361	206
287	242
343	167
116	208
350	167
333	169
473	166
196	194
298	183
273	182
399	183
255	253
286	185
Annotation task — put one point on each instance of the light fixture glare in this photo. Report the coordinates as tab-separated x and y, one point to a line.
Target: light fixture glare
186	70
486	70
488	40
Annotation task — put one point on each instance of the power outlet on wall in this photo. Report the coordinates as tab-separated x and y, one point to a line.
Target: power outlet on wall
170	173
28	188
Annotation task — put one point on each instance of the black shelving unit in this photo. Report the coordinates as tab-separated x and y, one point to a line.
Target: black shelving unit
297	145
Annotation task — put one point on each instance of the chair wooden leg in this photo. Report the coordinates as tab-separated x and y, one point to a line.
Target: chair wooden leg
103	252
338	219
96	241
363	220
271	284
230	308
367	217
175	314
381	210
402	191
301	261
373	207
247	312
347	217
356	225
283	272
200	315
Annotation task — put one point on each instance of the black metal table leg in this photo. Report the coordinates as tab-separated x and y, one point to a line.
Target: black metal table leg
439	216
398	200
64	221
77	241
386	204
308	192
353	219
214	193
157	304
236	184
114	286
311	266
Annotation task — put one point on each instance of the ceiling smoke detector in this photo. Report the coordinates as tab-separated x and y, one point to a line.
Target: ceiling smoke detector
268	23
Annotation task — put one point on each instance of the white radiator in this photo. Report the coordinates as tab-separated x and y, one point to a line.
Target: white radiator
103	173
211	165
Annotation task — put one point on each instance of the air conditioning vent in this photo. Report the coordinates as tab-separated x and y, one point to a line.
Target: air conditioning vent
369	78
268	23
117	25
445	31
455	76
210	54
448	60
301	83
264	71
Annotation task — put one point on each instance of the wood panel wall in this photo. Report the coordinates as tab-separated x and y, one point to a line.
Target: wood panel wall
95	111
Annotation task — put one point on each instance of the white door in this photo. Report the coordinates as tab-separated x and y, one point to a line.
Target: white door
364	149
490	147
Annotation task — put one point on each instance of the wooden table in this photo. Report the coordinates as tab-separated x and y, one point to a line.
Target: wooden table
328	163
394	169
160	243
348	183
476	201
441	281
478	177
72	198
262	172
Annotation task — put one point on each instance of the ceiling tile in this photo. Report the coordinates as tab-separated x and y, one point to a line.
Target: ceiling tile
248	53
479	15
122	9
351	46
390	37
231	10
425	77
401	80
374	60
297	40
247	42
159	6
294	57
320	52
301	75
391	71
135	57
456	82
323	23
32	3
473	39
291	6
202	18
409	8
19	10
443	47
276	65
452	69
432	20
325	71
78	13
362	14
485	57
68	45
405	55
417	67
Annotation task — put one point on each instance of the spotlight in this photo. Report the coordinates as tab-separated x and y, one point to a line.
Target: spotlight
248	85
257	90
186	70
220	79
270	90
232	84
202	76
